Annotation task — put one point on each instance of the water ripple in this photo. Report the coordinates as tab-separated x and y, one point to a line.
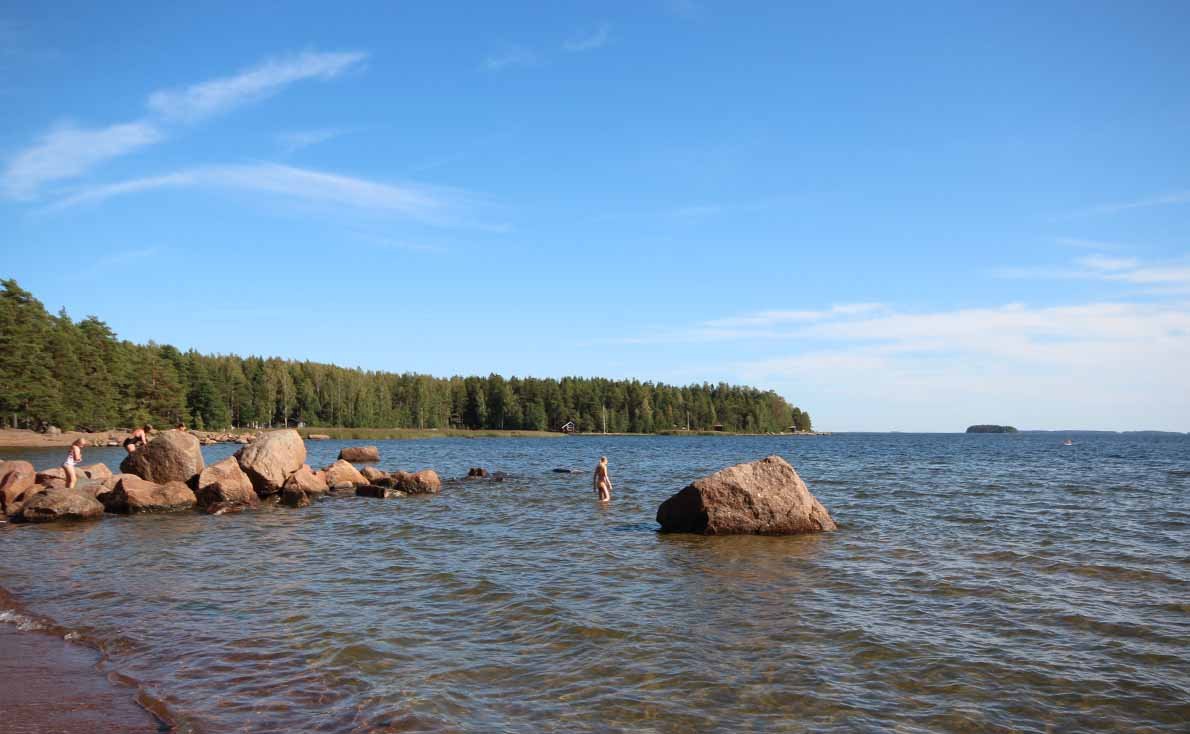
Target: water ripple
976	584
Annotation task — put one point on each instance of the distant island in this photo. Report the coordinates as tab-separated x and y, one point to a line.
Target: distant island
988	428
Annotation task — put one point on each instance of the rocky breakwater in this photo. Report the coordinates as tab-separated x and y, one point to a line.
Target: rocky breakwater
169	475
764	497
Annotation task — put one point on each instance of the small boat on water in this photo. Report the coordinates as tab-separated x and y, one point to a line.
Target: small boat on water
1068	442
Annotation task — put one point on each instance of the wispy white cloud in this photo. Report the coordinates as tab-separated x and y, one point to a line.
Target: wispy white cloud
294	140
1171	277
775	318
1102	263
510	57
213	97
595	39
124	257
1174	197
762	325
434	205
68	151
1084	244
1096	365
705	210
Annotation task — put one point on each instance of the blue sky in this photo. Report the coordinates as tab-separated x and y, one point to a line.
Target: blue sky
909	217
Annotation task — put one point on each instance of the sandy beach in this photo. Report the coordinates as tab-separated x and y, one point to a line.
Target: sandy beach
51	686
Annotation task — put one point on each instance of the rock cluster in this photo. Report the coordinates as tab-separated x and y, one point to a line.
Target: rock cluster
168	475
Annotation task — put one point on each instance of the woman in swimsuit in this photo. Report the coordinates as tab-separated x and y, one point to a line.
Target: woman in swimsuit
139	437
73	458
602	481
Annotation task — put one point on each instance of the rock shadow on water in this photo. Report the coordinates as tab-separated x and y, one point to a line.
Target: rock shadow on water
748	548
635	527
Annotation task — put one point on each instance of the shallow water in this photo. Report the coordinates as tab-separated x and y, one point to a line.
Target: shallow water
977	583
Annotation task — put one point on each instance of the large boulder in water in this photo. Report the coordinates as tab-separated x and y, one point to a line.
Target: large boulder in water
133	495
225	481
172	456
342	472
761	498
61	504
360	454
271	459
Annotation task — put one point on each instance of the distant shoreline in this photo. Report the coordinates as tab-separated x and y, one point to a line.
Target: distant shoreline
16	438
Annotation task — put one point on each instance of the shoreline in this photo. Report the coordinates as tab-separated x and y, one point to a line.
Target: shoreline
19	438
53	682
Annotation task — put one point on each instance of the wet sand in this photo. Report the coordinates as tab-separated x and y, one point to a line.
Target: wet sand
51	686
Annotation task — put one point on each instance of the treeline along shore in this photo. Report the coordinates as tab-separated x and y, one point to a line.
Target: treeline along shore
79	375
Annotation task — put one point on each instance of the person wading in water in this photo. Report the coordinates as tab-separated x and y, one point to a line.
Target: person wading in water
603	482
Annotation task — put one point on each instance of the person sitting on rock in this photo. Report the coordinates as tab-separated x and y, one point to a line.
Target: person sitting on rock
139	437
73	458
602	481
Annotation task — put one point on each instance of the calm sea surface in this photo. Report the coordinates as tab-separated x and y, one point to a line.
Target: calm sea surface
977	583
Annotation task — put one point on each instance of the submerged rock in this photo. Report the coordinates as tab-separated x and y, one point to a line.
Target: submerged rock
477	472
61	504
425	481
135	495
295	497
172	456
763	498
225	508
271	459
225	482
378	491
360	454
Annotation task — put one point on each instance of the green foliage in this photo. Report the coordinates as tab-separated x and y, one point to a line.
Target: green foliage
53	370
